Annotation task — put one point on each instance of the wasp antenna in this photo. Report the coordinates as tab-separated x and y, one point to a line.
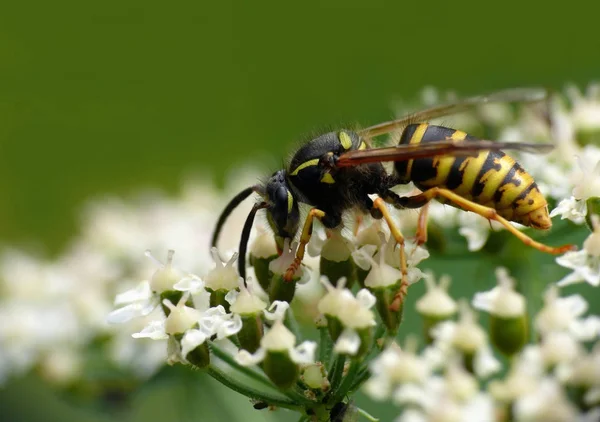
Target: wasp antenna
245	237
235	201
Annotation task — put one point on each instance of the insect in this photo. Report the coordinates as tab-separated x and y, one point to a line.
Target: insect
338	171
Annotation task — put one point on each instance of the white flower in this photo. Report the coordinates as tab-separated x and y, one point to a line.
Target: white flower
502	301
279	339
475	229
586	181
584	263
246	301
565	314
142	299
464	337
139	301
547	402
353	312
395	367
436	301
585	111
224	276
571	209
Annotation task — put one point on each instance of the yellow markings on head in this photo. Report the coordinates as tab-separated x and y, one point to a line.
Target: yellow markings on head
363	145
290	202
327	178
345	140
305	164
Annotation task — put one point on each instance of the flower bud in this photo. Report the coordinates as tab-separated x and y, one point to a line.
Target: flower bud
315	377
279	288
250	308
349	318
277	364
368	239
435	305
509	328
384	282
199	356
221	279
336	259
166	276
262	251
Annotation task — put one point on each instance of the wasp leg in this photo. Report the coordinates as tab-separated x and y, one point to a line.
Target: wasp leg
305	238
489	213
421	234
398	300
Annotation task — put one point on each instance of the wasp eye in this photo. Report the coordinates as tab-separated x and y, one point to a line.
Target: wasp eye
281	195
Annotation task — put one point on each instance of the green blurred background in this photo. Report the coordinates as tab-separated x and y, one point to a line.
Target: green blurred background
111	96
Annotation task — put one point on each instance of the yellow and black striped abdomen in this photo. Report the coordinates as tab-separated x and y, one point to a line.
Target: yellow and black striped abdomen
491	178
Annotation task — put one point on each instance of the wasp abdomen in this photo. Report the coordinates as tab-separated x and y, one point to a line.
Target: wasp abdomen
491	178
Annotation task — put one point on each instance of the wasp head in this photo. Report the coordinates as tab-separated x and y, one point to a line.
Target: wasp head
282	207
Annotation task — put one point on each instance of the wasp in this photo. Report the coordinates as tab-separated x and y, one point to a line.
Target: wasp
337	171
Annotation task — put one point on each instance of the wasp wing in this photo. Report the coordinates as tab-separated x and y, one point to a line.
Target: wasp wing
405	152
524	95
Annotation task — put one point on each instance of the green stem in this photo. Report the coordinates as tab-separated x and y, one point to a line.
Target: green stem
346	383
368	416
251	392
325	346
362	376
336	372
228	359
225	357
292	324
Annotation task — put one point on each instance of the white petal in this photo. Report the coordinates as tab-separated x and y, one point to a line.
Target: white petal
348	342
141	293
412	394
245	358
412	415
484	300
378	388
575	305
573	259
155	331
304	353
276	311
231	296
131	311
417	255
229	327
587	329
571	278
476	238
190	283
485	363
361	256
191	340
366	298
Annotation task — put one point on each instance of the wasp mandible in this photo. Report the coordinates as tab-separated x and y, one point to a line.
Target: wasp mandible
338	171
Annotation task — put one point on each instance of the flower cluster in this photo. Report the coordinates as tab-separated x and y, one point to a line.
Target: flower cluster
553	378
308	342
